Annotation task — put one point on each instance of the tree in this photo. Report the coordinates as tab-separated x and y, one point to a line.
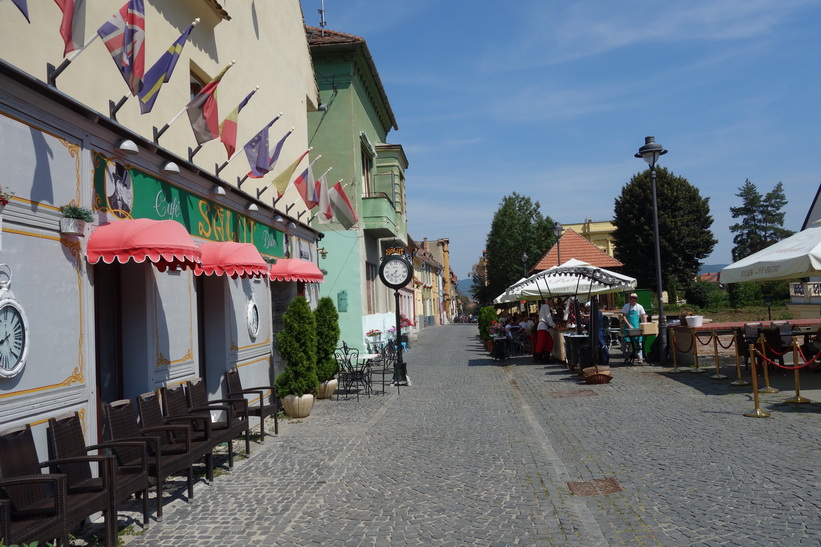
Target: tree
518	228
296	343
685	238
327	337
762	220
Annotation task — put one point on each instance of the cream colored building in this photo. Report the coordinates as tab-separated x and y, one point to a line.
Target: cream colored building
599	233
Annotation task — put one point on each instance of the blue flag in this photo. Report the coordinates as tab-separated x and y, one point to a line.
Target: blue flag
23	7
257	152
160	73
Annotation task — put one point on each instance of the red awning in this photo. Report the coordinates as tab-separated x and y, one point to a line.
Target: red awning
166	243
295	269
230	258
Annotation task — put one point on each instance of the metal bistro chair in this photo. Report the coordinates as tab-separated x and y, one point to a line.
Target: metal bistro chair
385	362
66	440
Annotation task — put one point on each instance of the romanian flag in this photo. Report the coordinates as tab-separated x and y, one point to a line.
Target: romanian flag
257	152
72	26
341	206
228	127
161	72
124	36
22	5
202	110
303	183
281	181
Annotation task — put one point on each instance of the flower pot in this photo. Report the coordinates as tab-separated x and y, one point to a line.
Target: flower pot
489	345
298	407
327	388
73	226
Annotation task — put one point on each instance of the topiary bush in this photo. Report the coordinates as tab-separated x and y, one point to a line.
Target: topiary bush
327	338
487	315
297	346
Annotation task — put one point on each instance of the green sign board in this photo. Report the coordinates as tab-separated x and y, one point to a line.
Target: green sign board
126	192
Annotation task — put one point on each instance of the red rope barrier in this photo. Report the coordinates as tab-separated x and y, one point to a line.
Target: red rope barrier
768	347
710	339
814	363
728	346
678	349
785	367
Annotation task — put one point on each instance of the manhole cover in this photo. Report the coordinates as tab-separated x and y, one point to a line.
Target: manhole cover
596	487
572	393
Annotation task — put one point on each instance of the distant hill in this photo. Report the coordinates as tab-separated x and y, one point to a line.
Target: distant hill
464	285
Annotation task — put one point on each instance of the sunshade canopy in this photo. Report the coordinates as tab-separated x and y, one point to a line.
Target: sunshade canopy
166	243
295	269
571	278
796	256
231	258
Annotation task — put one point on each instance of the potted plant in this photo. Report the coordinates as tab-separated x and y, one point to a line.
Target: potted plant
487	315
327	337
297	346
74	218
5	197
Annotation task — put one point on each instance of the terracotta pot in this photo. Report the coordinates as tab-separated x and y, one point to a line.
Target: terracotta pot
489	345
327	388
298	407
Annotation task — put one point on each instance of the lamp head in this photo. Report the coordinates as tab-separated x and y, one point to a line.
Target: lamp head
557	229
651	151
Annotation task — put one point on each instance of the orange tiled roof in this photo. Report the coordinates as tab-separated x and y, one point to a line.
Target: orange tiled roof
709	277
319	37
573	245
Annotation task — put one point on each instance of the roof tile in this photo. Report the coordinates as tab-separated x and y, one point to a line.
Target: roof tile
573	245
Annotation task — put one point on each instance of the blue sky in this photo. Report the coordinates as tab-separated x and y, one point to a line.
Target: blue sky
552	99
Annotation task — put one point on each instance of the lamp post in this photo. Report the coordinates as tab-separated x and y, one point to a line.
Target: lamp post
651	152
768	300
524	264
557	231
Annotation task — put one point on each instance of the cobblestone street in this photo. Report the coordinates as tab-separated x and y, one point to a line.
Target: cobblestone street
524	453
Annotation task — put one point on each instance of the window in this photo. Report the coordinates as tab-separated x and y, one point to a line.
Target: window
367	165
370	287
196	85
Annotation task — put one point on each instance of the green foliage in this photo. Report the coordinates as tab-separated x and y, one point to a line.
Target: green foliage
518	228
487	315
704	294
297	346
684	219
754	293
75	211
327	338
762	220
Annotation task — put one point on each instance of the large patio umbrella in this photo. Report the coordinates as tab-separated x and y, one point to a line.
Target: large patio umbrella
796	256
574	277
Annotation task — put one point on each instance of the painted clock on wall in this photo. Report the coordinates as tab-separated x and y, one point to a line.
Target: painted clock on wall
395	271
253	318
14	329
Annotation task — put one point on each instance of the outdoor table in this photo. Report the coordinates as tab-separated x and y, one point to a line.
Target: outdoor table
500	349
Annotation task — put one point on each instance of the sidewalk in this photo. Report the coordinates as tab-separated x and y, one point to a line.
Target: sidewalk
483	454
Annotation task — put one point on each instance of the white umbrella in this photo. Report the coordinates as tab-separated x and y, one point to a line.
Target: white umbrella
796	256
572	277
508	296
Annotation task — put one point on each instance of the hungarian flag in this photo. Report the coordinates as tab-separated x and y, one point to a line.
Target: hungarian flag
72	26
202	110
161	72
228	127
124	36
23	7
303	183
257	152
281	181
342	208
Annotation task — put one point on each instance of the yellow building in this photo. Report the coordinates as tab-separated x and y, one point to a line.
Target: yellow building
599	233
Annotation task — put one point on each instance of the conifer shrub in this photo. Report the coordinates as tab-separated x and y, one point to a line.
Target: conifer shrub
487	315
327	338
297	346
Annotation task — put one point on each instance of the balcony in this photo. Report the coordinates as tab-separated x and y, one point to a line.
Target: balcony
379	217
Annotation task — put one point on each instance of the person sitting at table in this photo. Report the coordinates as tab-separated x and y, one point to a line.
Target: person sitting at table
632	314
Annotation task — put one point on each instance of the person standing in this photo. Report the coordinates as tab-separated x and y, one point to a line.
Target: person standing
544	340
632	314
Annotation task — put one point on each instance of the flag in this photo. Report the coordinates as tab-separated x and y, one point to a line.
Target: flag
161	72
272	161
72	26
228	127
257	152
303	183
281	181
321	198
202	110
124	36
23	7
342	208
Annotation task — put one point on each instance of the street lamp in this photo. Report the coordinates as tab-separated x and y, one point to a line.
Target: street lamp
557	231
524	264
768	300
651	152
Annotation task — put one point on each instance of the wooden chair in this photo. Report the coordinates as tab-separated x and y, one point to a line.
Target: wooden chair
18	458
121	419
32	504
174	442
66	440
236	425
259	408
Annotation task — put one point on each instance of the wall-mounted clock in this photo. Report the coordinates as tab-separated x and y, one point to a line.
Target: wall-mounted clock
14	330
395	271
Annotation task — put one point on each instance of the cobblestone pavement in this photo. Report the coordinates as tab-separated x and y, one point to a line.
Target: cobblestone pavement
483	454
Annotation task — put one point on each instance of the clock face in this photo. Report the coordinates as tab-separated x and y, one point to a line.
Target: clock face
13	338
253	319
396	272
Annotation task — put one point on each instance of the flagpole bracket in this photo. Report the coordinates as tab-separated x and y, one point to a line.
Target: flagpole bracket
241	180
218	168
53	72
158	133
114	108
288	208
261	191
193	152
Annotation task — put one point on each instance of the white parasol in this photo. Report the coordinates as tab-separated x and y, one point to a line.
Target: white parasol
571	278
